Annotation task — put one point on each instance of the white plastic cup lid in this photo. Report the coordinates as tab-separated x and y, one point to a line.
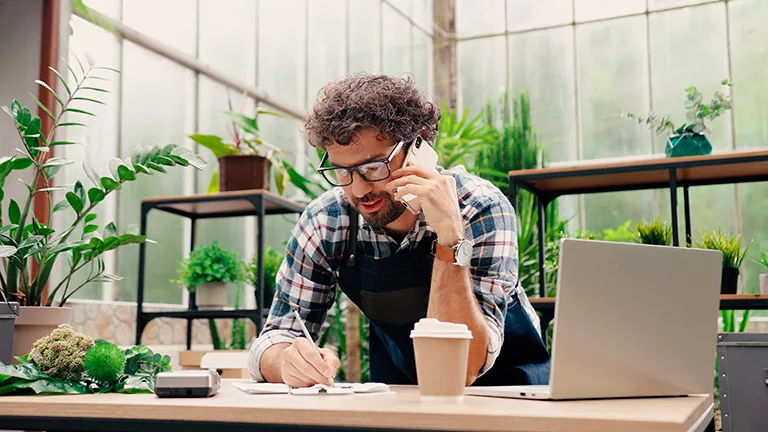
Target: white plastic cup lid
430	327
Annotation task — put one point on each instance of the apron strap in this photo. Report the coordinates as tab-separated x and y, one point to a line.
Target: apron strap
352	240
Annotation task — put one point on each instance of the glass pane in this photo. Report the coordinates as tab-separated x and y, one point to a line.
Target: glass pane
157	108
542	64
110	8
422	13
712	207
597	9
479	17
612	54
154	19
228	37
99	140
364	36
422	61
666	4
396	42
613	209
326	50
282	49
404	6
682	56
482	71
750	61
526	14
613	78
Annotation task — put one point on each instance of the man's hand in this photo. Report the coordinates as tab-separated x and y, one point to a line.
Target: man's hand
438	198
301	366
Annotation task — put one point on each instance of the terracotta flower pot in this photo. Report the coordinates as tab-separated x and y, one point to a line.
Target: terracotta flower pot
243	172
211	295
35	322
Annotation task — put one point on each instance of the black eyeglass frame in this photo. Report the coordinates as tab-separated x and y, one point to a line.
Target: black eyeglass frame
354	169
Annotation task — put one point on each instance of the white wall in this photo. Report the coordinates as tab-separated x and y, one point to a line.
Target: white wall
20	38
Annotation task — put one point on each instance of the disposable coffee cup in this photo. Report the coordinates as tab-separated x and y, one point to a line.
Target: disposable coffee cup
442	352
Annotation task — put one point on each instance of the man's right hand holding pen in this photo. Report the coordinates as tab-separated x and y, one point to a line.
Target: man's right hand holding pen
300	363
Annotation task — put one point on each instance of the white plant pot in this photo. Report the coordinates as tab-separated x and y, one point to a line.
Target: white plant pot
35	322
211	295
764	283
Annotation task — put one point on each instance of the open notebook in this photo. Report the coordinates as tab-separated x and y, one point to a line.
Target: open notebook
339	388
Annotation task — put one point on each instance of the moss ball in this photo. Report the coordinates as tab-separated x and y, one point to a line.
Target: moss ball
104	362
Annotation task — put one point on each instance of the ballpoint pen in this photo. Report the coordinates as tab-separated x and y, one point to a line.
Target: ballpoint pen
308	336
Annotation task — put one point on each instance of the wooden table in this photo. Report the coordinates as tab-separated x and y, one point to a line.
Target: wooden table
232	410
652	172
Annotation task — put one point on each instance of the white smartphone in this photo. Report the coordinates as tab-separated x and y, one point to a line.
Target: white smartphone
420	153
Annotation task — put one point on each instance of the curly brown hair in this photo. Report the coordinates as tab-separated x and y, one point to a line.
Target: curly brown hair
392	106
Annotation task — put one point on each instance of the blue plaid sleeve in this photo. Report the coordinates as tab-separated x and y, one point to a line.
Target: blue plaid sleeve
305	280
492	228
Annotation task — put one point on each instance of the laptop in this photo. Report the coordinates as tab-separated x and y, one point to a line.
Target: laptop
631	320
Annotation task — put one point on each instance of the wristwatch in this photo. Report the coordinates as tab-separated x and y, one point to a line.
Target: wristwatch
460	254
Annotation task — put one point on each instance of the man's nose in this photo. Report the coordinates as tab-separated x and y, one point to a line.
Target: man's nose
360	187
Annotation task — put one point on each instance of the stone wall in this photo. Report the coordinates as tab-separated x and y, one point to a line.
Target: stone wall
116	322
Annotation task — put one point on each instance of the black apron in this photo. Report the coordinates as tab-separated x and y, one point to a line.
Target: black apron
393	293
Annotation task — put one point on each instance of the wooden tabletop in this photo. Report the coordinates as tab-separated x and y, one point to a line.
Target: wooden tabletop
225	204
646	173
402	410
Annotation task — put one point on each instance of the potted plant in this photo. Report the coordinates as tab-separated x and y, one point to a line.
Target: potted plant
245	160
207	271
654	233
764	276
688	139
30	247
272	262
733	256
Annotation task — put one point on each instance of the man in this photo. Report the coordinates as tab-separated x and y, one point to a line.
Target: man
398	267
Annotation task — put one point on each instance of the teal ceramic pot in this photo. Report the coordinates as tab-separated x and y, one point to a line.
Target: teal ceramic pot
687	144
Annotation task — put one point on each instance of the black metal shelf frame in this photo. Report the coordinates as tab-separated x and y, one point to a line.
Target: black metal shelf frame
544	198
260	202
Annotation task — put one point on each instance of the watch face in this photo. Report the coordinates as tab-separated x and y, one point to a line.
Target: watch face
464	253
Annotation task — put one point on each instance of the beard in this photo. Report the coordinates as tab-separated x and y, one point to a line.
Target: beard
389	211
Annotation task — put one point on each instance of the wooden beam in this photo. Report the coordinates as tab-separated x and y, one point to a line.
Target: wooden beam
49	55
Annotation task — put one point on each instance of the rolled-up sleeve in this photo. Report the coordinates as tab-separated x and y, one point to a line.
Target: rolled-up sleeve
494	268
305	281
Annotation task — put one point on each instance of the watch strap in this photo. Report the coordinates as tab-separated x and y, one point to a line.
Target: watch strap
444	253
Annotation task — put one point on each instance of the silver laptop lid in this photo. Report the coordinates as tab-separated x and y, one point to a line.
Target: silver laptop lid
634	320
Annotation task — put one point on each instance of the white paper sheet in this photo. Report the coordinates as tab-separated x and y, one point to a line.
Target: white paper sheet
339	388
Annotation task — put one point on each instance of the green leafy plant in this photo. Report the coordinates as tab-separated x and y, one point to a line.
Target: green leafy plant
697	113
210	263
244	139
654	233
27	242
729	244
107	368
763	259
460	139
624	233
272	262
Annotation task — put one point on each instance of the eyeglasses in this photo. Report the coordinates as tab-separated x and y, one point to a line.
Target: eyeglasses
371	171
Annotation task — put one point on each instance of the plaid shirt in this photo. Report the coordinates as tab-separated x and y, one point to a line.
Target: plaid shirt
308	276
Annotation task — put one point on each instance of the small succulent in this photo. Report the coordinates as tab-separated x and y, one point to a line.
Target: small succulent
104	362
60	354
